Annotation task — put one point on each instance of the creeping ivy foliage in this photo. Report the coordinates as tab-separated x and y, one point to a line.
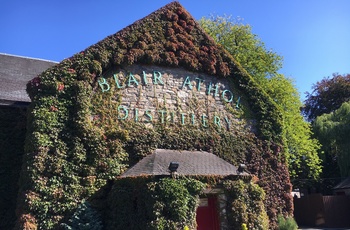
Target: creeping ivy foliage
76	144
156	204
167	203
263	65
246	205
175	200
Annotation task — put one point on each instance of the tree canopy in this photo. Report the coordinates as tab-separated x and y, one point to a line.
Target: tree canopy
263	65
302	149
333	131
243	45
327	95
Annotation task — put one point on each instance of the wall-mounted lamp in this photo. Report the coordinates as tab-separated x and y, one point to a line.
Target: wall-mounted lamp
241	168
173	168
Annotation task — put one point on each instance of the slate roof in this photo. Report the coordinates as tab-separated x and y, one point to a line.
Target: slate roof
15	73
345	184
190	163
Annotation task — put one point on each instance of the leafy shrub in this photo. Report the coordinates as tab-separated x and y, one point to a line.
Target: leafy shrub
287	223
155	203
245	205
84	218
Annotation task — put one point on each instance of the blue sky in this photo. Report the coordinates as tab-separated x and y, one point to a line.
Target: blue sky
313	36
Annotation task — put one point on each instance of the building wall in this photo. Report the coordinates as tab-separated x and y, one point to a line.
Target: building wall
167	95
12	135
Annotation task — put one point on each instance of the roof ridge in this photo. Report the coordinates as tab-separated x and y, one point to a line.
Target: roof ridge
32	58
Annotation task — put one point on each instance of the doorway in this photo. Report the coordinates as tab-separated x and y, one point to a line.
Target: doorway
207	213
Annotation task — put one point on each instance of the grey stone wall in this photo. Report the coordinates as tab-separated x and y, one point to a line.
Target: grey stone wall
163	94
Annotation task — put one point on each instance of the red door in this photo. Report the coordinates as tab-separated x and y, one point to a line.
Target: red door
207	214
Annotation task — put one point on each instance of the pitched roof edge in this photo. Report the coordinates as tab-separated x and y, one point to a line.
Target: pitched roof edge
11	103
30	58
181	42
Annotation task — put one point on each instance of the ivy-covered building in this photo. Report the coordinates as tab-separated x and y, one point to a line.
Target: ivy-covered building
146	130
15	72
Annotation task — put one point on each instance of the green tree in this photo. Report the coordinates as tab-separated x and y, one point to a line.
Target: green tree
263	65
303	159
333	131
244	46
323	109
